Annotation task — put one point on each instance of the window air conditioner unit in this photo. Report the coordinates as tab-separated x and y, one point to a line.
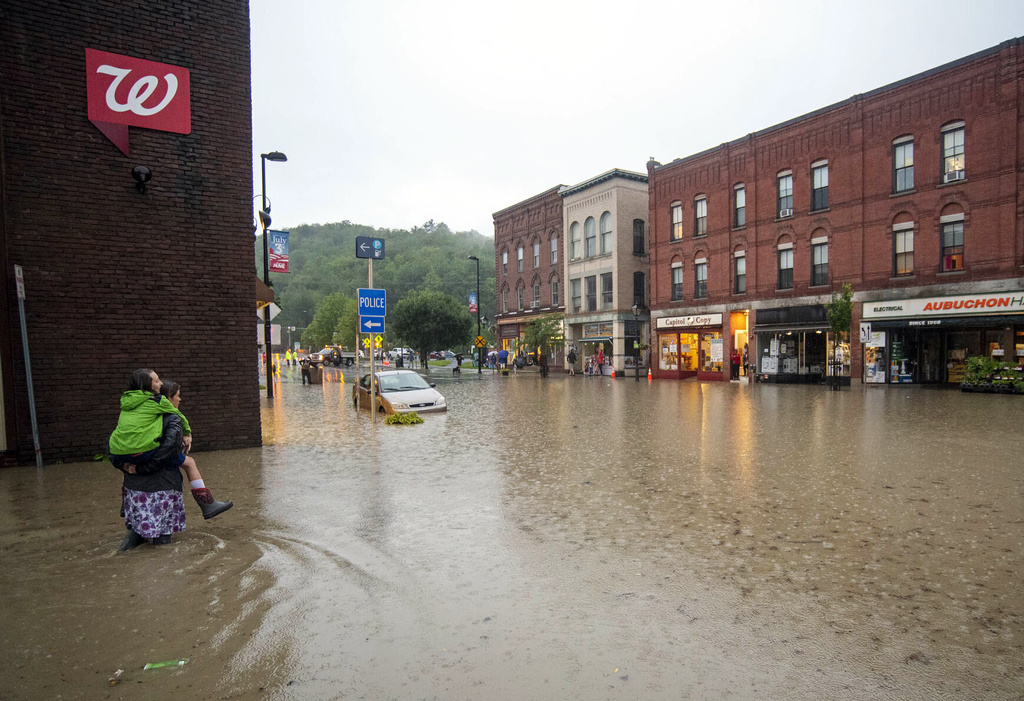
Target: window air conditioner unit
783	213
953	176
534	305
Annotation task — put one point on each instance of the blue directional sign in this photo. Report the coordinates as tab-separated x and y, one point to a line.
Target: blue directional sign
369	247
371	324
372	302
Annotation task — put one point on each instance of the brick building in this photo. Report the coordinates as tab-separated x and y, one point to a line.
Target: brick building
529	278
117	275
606	265
911	193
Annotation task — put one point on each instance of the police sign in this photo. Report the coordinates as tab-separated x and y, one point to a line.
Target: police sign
372	302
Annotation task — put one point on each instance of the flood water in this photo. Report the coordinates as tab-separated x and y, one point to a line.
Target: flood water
567	538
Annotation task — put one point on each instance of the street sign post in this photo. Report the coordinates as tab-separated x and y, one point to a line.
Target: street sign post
369	247
371	324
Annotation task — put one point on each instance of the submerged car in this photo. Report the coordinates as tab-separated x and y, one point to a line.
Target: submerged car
398	392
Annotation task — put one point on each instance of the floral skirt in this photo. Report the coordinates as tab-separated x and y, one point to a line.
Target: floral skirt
153	514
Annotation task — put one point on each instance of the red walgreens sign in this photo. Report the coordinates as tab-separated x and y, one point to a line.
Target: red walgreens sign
131	92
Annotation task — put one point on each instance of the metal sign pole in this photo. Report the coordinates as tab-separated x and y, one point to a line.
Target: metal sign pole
20	281
373	383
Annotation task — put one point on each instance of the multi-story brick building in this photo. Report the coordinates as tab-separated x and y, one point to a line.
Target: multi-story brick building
528	266
606	262
911	193
120	273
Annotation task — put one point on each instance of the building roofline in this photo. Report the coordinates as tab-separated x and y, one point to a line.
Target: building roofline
567	190
984	53
528	200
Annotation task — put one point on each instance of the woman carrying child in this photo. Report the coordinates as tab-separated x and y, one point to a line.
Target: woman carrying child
149	445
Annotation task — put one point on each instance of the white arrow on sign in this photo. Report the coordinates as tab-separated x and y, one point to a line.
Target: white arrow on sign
363	247
373	325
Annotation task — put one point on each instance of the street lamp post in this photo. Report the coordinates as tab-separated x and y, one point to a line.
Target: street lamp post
479	350
636	342
265	221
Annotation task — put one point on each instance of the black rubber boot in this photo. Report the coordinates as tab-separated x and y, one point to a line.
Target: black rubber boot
131	540
208	505
162	539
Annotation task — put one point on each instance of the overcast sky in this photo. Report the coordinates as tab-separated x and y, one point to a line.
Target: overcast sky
393	113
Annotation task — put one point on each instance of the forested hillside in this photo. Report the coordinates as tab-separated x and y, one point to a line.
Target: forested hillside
322	260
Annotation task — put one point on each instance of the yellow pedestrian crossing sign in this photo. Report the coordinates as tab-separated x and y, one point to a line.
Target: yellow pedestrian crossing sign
366	342
481	342
378	341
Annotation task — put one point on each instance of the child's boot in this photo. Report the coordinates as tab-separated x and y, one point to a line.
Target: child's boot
210	508
131	540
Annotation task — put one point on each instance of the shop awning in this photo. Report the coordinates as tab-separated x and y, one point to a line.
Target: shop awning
596	339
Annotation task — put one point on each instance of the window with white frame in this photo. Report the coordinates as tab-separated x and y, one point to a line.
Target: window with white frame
739	273
574	292
606	291
504	262
952	232
520	292
589	238
536	255
903	164
953	152
554	292
677	221
700	216
819	185
606	232
785	194
700	278
536	295
903	249
554	250
574	241
785	280
504	301
739	206
819	261
519	259
677	281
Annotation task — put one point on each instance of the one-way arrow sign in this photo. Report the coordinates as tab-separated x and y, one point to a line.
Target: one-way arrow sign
371	324
369	247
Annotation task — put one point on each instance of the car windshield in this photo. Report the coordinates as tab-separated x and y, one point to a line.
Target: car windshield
325	351
402	382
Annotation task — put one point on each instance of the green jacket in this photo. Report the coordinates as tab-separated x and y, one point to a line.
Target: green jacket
140	424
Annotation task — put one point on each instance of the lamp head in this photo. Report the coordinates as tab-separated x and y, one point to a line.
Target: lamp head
274	156
473	258
142	175
264	218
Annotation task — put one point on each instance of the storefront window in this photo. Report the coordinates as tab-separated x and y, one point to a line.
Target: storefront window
668	355
688	352
793	353
711	352
838	362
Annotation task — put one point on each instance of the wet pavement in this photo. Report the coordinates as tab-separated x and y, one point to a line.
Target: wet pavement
568	538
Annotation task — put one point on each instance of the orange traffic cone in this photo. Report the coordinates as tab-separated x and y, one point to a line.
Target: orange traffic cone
613	373
649	375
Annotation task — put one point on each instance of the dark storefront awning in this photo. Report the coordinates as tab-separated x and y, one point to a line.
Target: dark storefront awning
955	322
264	295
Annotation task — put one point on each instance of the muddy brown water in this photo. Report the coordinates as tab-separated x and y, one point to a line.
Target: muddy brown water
582	538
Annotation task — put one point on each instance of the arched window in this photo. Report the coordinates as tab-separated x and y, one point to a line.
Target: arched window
676	213
574	241
589	238
677	279
554	291
700	276
819	258
902	244
700	215
606	232
739	272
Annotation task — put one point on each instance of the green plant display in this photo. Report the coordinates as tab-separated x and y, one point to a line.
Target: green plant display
987	375
403	419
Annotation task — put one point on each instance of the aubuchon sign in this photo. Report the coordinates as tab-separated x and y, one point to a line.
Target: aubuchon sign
959	305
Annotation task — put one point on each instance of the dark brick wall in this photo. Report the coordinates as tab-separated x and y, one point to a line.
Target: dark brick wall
985	91
117	279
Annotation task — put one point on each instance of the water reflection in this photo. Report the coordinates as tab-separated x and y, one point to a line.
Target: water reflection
592	538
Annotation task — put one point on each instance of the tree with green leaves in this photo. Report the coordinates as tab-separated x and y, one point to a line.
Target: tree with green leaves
322	328
545	333
839	313
431	320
